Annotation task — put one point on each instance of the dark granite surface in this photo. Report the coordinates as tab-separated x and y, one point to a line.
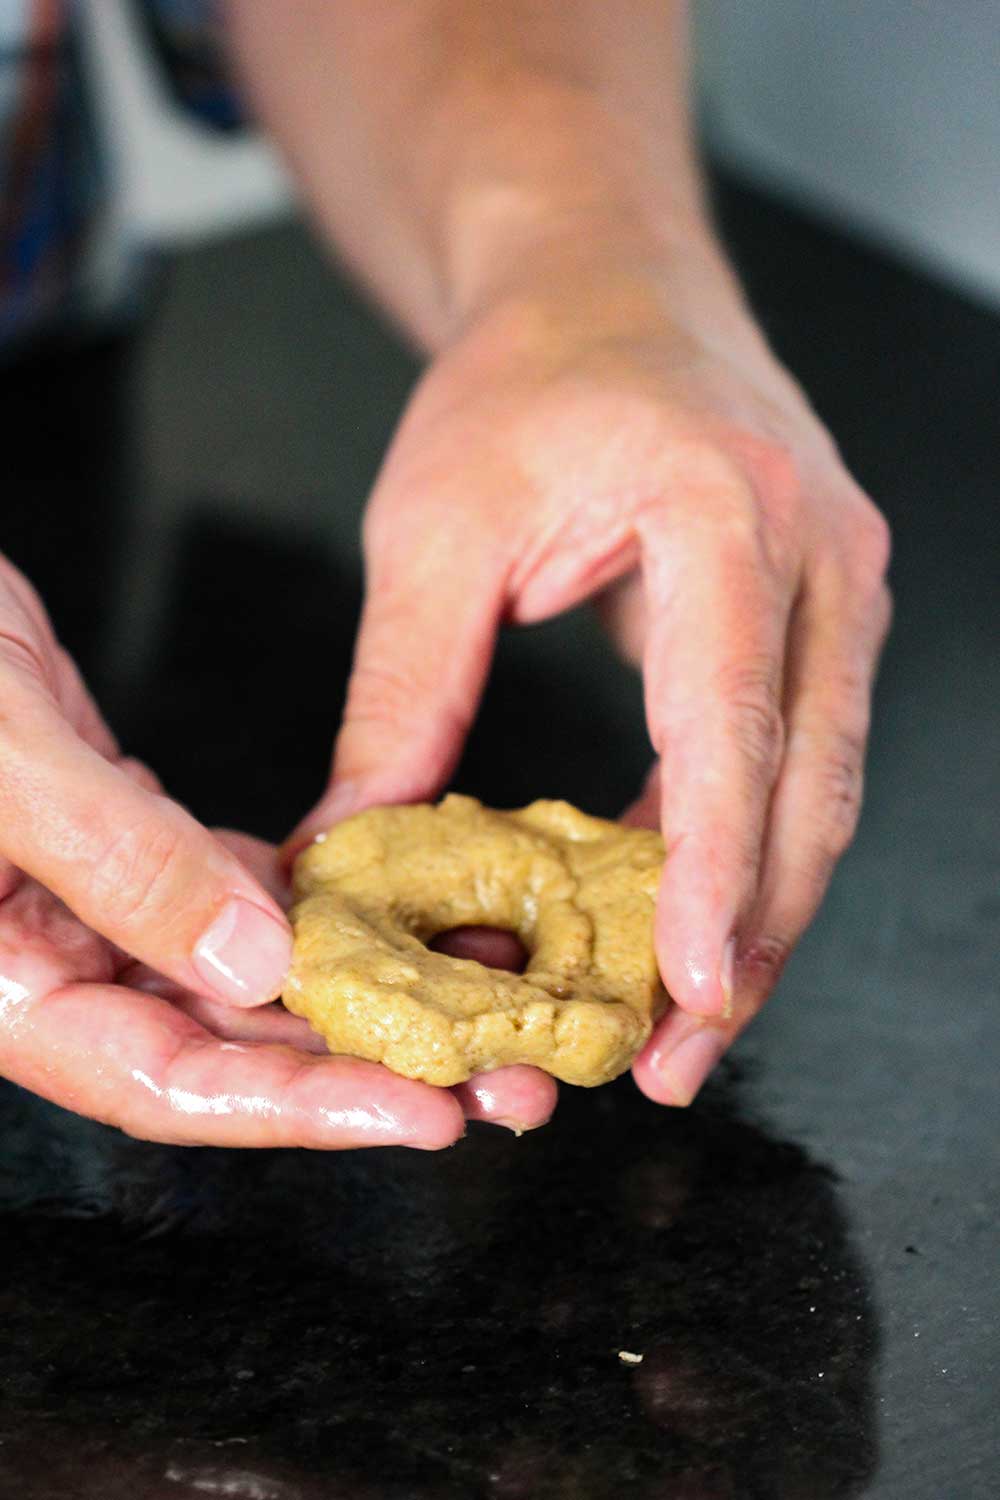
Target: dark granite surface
807	1260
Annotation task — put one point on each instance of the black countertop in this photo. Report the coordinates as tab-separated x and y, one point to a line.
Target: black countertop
806	1261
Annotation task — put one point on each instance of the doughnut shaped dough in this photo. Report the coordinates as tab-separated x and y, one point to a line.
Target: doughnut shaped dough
579	892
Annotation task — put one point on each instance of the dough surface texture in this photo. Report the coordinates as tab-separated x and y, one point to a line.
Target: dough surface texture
579	892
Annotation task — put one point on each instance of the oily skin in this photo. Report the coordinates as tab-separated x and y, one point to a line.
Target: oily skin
85	1026
106	1037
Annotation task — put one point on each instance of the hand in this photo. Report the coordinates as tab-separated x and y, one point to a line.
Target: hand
97	1032
635	431
94	830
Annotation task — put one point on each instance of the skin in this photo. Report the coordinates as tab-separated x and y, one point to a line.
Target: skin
600	419
147	1046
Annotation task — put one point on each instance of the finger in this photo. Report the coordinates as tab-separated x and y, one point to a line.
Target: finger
10	878
133	866
644	812
520	1098
422	656
621	609
718	606
138	772
79	707
662	1077
838	635
261	859
134	1061
489	946
260	1023
680	1055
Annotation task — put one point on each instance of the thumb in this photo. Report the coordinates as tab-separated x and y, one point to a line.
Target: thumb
132	865
423	653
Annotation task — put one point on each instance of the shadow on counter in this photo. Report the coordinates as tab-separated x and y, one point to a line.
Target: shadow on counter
377	1326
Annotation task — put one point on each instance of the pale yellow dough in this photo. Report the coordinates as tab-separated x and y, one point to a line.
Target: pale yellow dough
578	891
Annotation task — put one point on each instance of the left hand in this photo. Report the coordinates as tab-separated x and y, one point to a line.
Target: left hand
83	1024
636	431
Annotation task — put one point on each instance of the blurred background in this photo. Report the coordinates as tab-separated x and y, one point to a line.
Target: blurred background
883	115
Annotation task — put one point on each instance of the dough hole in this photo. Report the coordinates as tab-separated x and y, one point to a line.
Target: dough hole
490	946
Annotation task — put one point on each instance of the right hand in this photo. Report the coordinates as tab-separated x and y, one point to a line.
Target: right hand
132	1005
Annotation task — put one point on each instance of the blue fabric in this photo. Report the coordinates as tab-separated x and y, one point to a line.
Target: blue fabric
188	34
53	180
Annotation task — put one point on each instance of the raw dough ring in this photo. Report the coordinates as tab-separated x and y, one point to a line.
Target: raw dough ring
578	891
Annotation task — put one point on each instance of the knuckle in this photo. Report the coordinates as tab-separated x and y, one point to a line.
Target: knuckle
761	482
24	658
387	699
762	960
871	542
381	695
761	538
141	774
775	468
139	876
378	524
841	785
749	693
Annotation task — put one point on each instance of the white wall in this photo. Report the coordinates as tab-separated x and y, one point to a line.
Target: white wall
176	181
883	113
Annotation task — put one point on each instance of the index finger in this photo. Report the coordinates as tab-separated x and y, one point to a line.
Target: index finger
133	1061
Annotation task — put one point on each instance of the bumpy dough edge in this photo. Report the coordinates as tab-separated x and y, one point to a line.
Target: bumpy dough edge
579	891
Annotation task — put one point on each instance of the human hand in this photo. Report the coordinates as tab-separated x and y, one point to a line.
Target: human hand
634	430
99	1033
96	831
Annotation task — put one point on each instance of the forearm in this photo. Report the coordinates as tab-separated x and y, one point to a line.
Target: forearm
456	151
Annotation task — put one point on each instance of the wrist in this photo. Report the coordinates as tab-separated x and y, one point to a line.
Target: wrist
593	279
529	179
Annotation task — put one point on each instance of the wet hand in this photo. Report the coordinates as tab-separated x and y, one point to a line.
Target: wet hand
97	1032
633	439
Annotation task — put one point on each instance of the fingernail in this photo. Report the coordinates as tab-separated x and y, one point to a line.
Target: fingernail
705	990
517	1126
691	1061
244	955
